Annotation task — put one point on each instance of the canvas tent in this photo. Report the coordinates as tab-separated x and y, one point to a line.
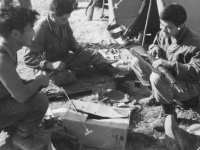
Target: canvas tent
133	13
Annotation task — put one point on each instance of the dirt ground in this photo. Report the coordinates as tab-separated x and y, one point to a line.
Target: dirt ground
94	33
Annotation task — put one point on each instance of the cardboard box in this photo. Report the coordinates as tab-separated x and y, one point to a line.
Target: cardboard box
108	133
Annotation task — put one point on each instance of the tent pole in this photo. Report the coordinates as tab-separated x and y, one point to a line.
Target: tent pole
146	24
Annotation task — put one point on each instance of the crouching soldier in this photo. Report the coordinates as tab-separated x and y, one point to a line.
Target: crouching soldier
178	49
20	104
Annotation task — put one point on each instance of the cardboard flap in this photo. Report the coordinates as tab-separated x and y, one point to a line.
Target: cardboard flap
73	115
100	110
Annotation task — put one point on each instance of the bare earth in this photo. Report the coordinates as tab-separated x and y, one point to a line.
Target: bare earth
140	137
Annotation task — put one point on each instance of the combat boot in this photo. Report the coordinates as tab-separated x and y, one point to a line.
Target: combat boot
27	142
177	138
116	72
108	70
168	109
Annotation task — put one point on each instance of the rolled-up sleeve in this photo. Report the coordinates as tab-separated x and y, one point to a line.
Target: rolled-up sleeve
156	42
33	55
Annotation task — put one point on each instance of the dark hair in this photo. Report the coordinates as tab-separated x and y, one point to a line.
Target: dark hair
174	13
61	7
15	18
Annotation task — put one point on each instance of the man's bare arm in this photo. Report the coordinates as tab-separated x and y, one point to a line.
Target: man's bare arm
12	81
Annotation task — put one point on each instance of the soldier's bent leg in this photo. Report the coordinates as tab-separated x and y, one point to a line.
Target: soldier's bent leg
27	115
142	70
167	95
164	95
87	57
161	88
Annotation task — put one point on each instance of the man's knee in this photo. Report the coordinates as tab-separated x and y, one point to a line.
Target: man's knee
154	78
41	102
134	62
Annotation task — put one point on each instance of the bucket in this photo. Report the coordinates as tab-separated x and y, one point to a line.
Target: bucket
116	30
62	139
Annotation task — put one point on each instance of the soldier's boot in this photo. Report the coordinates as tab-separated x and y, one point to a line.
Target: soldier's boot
168	109
177	138
25	141
116	72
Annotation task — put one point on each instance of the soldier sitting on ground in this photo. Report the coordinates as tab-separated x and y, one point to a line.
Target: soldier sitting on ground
20	104
54	48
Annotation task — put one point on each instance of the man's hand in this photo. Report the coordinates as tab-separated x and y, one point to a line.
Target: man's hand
161	62
58	65
78	48
43	80
155	52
